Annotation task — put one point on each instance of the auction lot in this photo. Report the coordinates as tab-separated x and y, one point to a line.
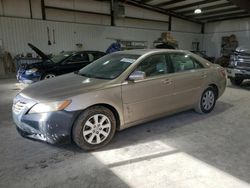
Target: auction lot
184	150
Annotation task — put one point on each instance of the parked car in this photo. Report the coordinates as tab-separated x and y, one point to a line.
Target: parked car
117	91
203	55
50	67
239	66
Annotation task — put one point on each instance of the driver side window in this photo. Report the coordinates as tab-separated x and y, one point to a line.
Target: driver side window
154	65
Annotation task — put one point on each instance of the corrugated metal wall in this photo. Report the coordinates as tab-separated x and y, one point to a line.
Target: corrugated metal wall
16	32
215	31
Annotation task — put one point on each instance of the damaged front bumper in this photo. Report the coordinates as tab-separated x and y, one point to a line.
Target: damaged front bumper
52	127
28	79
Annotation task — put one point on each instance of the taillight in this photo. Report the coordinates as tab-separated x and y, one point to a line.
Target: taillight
222	72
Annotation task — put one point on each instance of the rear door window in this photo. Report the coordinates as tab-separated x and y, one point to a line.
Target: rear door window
184	62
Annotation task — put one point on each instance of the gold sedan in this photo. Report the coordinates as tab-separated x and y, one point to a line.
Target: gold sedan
115	92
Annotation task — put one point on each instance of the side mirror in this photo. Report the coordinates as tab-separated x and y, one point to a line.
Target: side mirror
137	75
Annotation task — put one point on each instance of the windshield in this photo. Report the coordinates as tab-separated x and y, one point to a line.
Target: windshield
58	58
109	66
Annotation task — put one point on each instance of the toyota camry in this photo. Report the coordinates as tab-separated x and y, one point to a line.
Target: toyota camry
115	92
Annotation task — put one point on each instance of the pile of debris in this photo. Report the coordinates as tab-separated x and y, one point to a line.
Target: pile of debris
7	66
228	46
166	41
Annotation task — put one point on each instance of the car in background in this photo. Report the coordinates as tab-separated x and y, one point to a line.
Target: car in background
203	55
50	67
115	92
239	67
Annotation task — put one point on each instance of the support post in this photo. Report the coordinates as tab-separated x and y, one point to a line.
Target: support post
170	23
43	10
112	13
203	28
31	15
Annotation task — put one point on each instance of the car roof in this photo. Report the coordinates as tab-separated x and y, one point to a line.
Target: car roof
149	51
89	51
142	52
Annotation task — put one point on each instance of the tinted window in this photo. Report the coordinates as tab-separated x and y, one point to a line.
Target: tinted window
91	57
154	65
60	57
80	57
97	55
183	62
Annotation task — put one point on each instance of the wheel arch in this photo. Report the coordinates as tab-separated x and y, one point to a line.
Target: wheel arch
113	110
216	89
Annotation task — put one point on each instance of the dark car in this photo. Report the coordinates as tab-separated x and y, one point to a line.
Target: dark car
62	63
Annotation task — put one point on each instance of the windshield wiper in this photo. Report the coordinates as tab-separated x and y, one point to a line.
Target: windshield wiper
91	76
81	74
97	77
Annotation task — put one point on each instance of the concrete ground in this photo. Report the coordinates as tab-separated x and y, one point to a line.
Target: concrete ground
184	150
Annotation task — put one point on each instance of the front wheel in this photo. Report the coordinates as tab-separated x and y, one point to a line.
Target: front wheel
207	101
48	76
94	128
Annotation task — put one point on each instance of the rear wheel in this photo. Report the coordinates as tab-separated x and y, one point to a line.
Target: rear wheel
48	76
94	128
236	81
207	101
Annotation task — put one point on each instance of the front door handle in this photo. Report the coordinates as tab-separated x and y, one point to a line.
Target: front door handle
204	75
167	81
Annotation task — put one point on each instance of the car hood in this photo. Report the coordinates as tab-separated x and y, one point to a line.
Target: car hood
40	64
39	52
63	87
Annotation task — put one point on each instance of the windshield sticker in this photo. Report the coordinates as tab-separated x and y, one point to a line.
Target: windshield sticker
127	60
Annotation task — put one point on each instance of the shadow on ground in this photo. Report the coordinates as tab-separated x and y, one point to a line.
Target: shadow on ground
245	85
210	142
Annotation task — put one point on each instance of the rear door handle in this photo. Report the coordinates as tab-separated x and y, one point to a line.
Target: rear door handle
204	75
167	81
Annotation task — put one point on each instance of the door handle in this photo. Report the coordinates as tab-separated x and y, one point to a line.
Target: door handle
204	75
167	81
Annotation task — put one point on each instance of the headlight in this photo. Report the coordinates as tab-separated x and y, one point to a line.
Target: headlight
31	71
233	60
49	107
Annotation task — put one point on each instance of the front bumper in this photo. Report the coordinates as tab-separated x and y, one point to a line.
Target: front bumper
28	79
238	73
52	127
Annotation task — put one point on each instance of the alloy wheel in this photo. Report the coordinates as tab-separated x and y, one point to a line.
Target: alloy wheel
208	100
96	129
48	76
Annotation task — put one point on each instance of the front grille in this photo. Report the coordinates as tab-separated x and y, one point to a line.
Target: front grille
246	58
18	107
242	64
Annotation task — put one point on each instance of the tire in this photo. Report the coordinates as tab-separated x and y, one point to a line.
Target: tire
90	135
48	76
236	81
207	101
